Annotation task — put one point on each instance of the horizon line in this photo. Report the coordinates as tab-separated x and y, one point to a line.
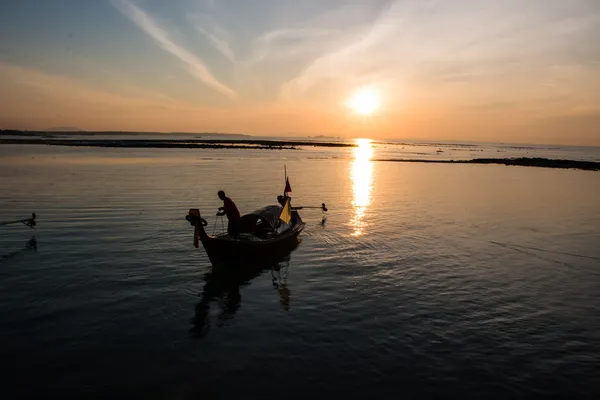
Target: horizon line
305	135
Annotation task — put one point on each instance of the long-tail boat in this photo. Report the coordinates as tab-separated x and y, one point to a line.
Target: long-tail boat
267	233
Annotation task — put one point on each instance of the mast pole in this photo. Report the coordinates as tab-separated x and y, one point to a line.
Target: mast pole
285	179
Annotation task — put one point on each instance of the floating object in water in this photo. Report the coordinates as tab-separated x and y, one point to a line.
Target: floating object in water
30	222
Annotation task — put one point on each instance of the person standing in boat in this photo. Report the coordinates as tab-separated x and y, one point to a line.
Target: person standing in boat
233	215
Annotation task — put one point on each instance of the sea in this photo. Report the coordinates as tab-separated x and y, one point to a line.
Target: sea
421	280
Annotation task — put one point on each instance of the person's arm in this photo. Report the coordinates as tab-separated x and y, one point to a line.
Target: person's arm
221	212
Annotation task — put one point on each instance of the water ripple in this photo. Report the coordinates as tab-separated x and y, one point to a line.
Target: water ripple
113	296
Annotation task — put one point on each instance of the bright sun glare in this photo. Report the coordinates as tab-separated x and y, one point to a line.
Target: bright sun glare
365	101
362	181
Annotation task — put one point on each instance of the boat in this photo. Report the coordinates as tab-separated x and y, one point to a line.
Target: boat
262	235
267	233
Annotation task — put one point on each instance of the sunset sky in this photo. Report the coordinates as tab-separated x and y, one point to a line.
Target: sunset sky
478	70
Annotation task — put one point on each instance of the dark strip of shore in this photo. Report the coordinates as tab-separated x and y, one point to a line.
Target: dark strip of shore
522	162
290	145
177	143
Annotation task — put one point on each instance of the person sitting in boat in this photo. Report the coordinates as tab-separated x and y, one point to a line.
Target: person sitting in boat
281	200
233	215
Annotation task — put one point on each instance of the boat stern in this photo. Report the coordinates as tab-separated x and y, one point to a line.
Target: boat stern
196	220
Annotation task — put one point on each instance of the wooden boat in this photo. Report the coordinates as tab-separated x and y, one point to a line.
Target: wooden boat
263	235
266	234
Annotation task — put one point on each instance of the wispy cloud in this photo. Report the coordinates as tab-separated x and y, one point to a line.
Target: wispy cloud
195	65
205	24
67	88
399	46
283	43
61	100
338	63
218	43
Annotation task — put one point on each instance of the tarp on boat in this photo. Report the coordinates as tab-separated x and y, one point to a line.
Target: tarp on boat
266	217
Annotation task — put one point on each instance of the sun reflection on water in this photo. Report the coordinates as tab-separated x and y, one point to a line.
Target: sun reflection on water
362	177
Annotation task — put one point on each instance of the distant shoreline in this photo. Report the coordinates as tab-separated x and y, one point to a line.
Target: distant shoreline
287	145
58	132
520	161
177	143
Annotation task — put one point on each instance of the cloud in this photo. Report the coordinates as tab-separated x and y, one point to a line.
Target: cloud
409	38
218	37
346	59
33	99
218	43
194	64
30	81
284	43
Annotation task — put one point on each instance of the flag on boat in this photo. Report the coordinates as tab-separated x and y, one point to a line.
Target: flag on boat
288	188
286	212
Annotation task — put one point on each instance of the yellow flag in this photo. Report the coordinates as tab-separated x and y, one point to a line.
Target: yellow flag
286	213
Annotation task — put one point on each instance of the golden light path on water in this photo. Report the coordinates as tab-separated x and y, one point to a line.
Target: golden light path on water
362	177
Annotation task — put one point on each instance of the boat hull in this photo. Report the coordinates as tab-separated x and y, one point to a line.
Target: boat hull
227	250
246	248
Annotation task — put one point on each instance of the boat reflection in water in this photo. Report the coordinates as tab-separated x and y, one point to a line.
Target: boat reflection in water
362	177
279	279
222	289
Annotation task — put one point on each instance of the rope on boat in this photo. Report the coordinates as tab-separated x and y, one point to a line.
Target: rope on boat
219	217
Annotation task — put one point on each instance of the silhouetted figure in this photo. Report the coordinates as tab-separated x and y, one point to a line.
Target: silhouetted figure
233	215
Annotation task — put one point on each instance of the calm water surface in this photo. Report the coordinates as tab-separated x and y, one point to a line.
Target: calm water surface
427	279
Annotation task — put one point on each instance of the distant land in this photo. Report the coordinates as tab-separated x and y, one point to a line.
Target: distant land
51	132
170	143
518	161
63	129
51	139
324	137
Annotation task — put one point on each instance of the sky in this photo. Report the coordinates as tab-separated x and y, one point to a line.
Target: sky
521	71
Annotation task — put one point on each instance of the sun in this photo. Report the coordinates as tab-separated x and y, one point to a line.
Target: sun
365	101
